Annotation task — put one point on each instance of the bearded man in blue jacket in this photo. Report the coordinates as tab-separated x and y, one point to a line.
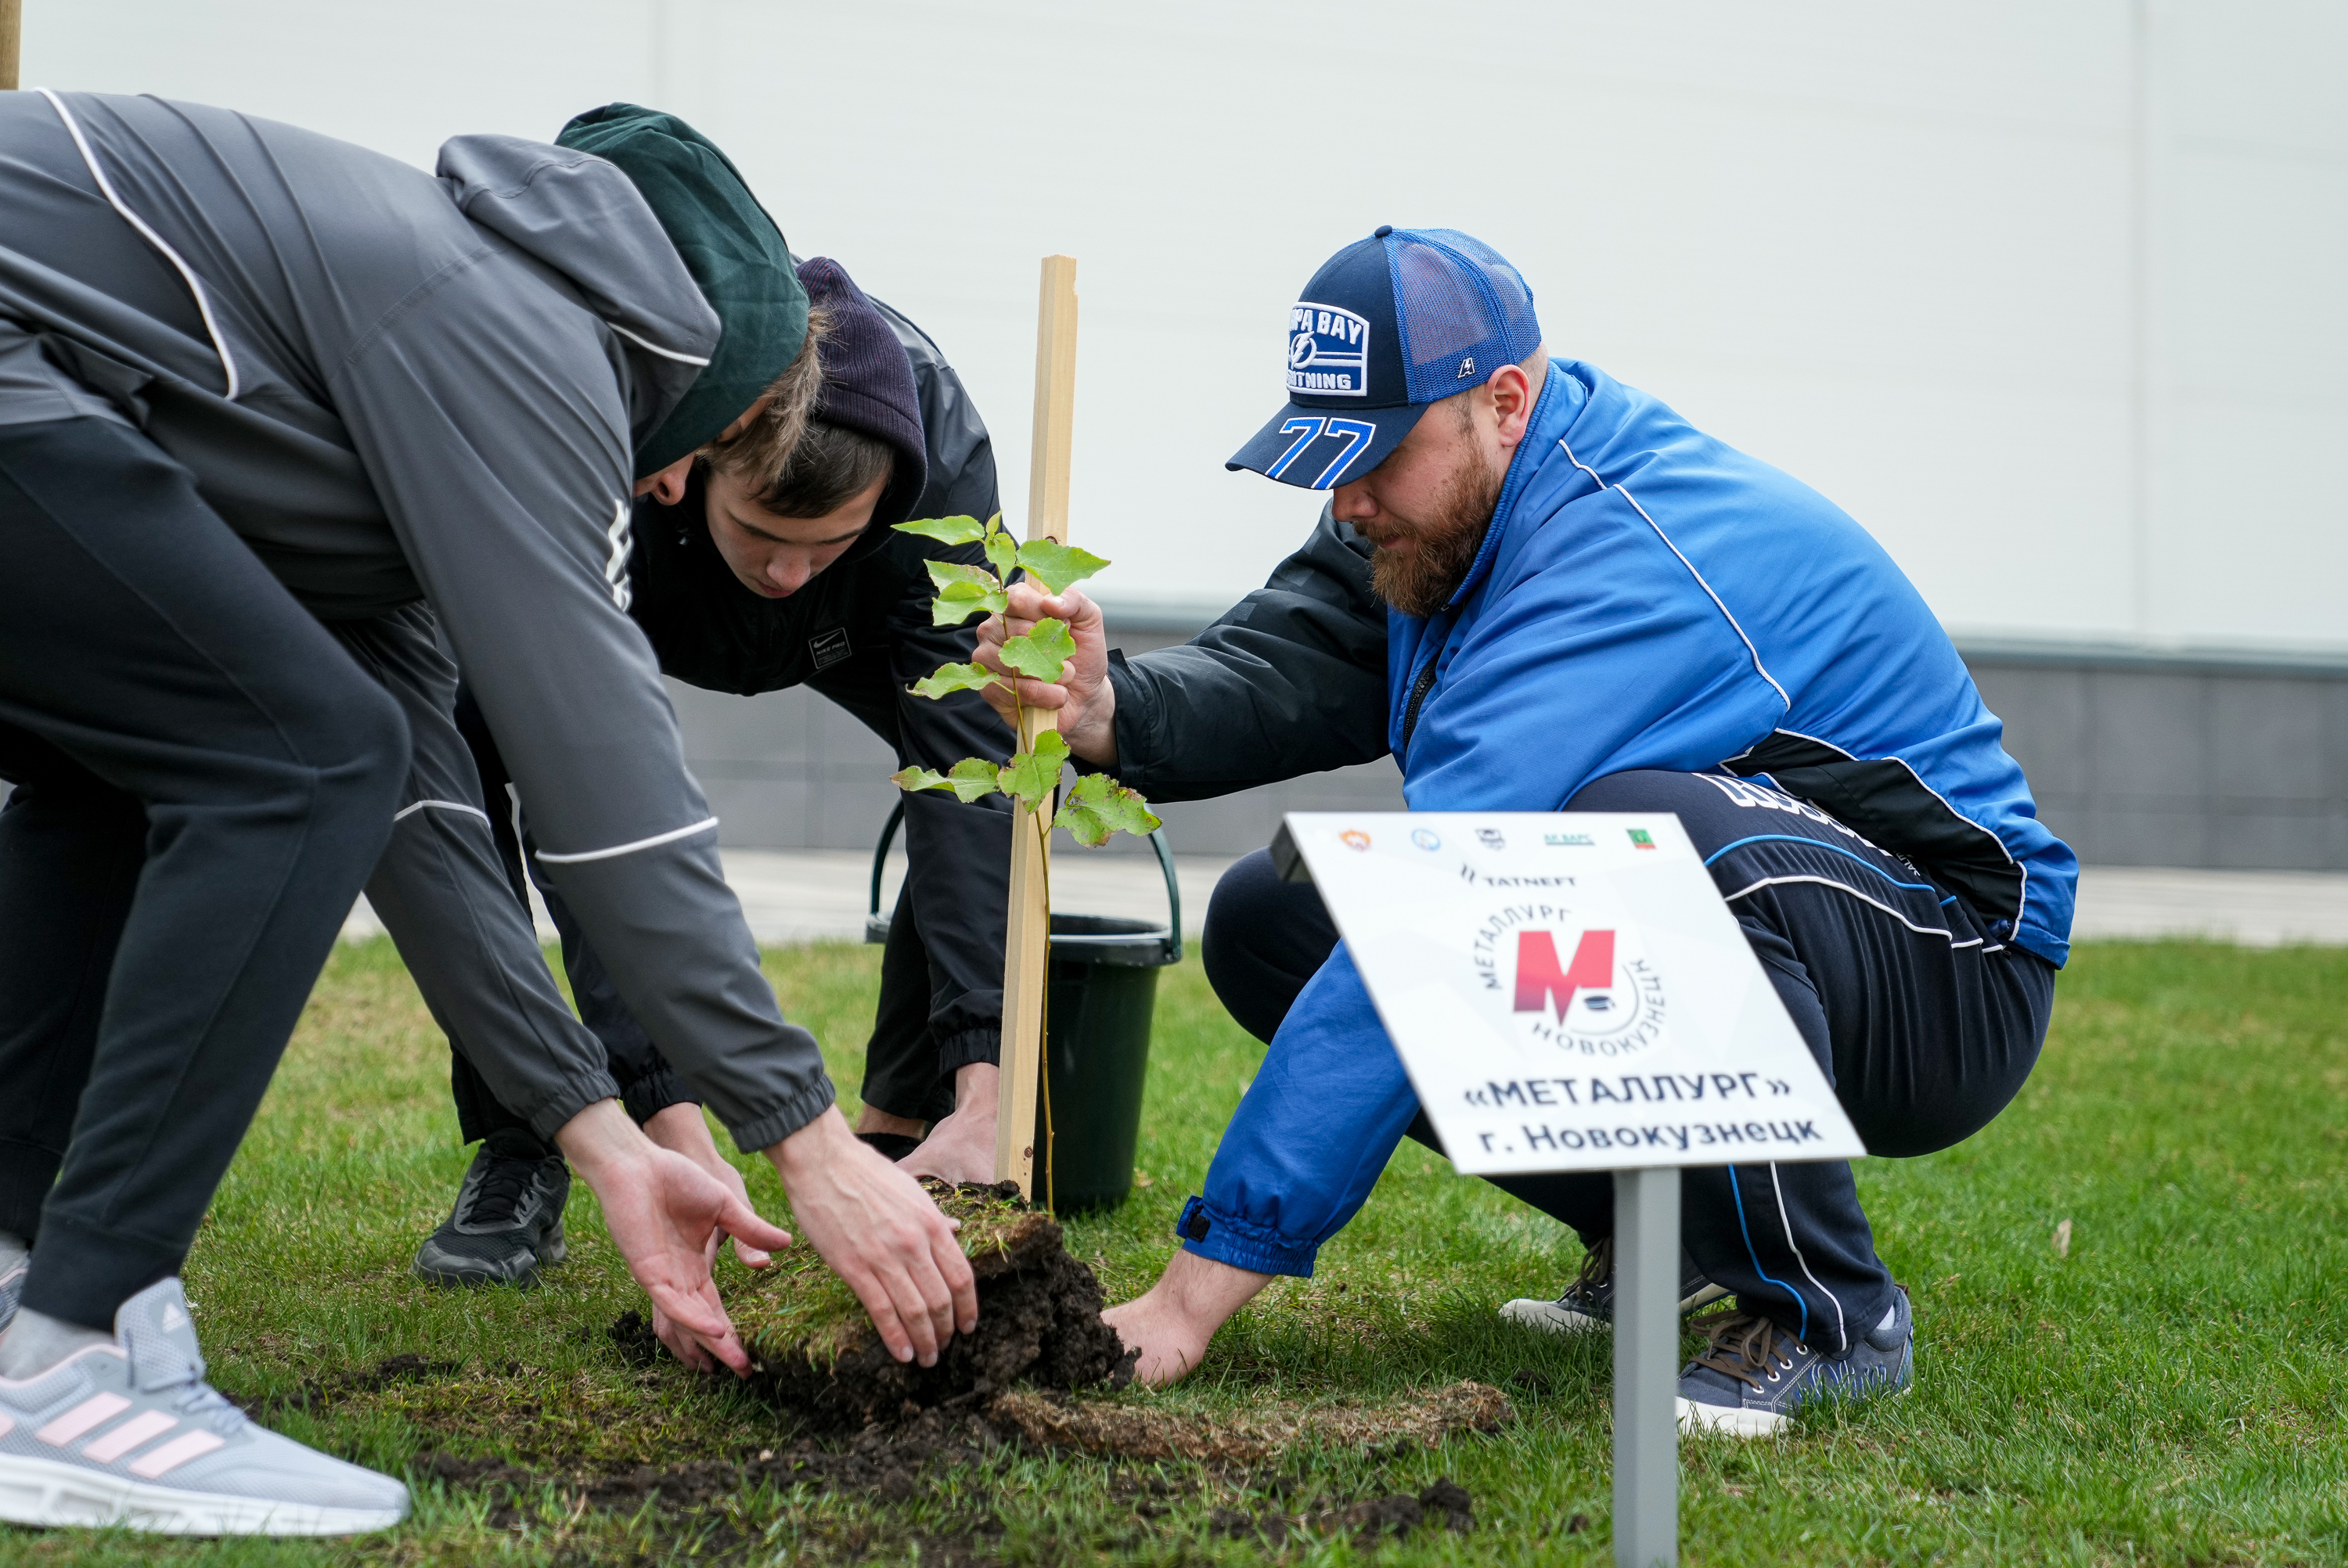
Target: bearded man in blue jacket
1541	590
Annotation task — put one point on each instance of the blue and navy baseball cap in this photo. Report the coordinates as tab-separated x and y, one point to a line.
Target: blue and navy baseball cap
1389	324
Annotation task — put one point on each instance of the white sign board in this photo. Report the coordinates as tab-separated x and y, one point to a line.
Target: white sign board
1568	993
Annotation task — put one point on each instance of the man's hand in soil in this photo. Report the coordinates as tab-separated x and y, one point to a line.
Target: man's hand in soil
961	1147
879	1232
664	1212
1172	1321
1085	701
683	1130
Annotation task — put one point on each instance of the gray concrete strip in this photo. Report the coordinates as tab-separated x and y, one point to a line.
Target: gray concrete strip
822	894
2255	908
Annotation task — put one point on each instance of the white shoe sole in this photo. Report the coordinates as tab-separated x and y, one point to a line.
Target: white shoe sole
1548	1317
1736	1422
1741	1422
45	1491
1555	1319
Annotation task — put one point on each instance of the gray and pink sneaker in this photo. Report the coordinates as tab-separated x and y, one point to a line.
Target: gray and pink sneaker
129	1435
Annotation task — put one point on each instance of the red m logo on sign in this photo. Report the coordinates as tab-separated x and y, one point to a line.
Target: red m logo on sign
1539	979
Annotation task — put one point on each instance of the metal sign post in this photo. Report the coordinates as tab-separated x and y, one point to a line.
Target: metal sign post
1568	993
1646	1367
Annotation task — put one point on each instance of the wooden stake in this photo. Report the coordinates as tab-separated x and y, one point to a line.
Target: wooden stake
12	31
1027	936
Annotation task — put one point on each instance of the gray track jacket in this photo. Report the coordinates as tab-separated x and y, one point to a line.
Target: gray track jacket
396	386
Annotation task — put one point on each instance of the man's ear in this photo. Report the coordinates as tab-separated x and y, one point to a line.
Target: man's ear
1513	404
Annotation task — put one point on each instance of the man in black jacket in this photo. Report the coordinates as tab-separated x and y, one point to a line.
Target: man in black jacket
746	583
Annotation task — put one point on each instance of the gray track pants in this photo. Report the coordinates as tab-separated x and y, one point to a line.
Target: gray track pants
202	780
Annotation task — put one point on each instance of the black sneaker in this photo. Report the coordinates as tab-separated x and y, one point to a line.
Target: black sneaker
1755	1376
1588	1302
505	1226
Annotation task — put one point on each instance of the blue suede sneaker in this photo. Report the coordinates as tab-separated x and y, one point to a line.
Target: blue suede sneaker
1755	1376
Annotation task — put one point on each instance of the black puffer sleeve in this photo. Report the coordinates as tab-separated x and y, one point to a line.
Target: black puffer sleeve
1292	679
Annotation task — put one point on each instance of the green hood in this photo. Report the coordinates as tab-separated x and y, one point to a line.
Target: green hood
733	249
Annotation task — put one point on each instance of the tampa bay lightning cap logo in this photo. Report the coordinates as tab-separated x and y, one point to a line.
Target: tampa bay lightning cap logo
1328	351
1388	324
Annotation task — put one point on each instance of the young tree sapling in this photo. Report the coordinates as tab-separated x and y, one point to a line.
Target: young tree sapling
1097	805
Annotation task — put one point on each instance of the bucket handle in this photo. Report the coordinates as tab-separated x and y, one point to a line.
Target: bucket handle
1157	841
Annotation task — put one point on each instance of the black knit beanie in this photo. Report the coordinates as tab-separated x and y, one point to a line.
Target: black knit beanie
868	382
733	250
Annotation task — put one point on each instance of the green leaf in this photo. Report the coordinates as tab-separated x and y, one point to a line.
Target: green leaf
995	525
1043	653
946	530
1035	773
1057	566
950	575
968	779
953	678
963	592
965	599
1098	806
975	776
948	611
1004	551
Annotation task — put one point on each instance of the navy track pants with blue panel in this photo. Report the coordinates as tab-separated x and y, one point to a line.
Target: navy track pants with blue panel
1925	1023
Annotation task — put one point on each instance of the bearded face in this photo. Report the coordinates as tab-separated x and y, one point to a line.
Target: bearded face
1419	577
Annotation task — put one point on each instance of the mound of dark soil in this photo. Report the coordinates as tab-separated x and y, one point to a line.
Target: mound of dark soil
1039	1322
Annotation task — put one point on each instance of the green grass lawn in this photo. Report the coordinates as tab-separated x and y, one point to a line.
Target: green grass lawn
2172	1391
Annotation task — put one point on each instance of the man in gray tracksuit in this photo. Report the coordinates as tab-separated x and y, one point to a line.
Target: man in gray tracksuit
253	380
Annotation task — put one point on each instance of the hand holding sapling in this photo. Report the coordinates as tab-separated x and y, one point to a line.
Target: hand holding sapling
1023	662
1083	698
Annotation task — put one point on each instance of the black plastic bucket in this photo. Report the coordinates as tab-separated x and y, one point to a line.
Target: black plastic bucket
1104	994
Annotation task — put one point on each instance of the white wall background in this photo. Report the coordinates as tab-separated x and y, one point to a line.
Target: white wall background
2051	295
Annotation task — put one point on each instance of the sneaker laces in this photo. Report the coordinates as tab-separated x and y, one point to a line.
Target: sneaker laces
1597	1268
200	1402
190	1394
504	1184
1745	1345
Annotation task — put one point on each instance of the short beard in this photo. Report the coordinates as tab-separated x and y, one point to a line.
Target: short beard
1421	582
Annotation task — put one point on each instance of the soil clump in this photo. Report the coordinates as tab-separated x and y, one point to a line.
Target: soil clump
1039	1322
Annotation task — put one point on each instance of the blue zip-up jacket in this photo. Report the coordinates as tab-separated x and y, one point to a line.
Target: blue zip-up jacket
1646	597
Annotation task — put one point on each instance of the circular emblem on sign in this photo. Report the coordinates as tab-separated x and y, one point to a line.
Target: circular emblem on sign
1426	838
1571	979
1354	838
